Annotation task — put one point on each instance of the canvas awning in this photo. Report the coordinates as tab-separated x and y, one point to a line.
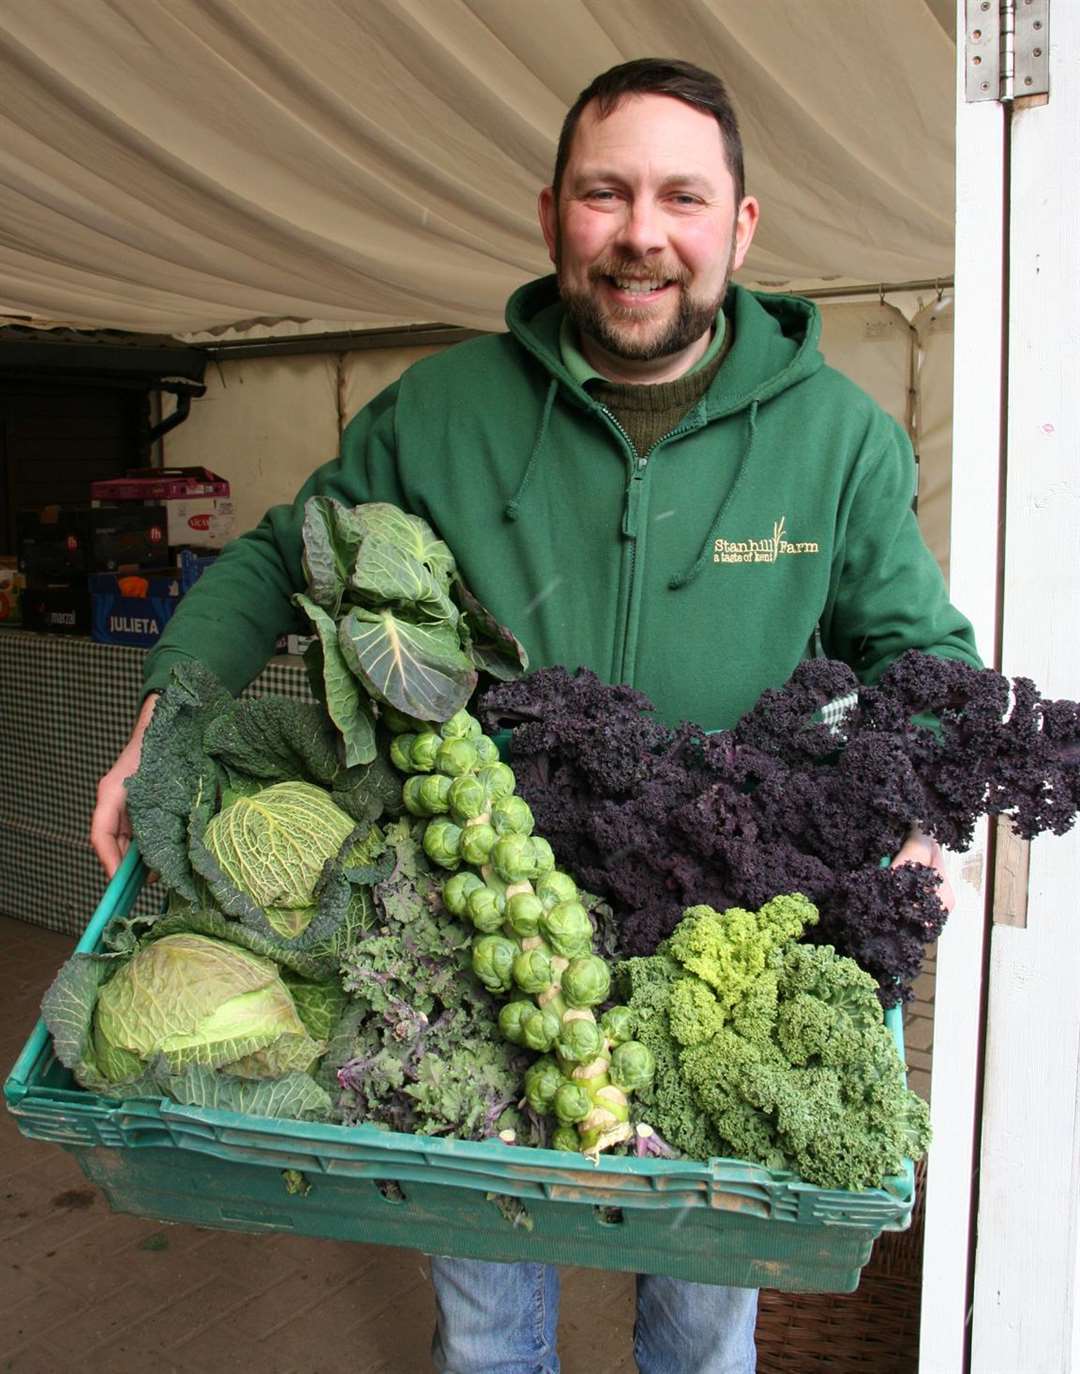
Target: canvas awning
191	165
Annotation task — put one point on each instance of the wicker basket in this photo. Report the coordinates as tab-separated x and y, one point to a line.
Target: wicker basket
874	1330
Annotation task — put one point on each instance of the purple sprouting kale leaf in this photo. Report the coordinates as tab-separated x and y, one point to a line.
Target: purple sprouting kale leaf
420	1049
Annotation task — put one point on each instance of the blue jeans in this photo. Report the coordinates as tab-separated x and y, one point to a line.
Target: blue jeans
501	1319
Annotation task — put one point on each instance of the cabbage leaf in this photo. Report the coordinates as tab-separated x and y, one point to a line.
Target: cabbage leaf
201	1020
408	631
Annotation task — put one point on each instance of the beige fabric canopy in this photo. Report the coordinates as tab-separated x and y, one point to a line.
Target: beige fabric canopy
194	165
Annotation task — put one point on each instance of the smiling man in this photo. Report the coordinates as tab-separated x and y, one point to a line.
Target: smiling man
645	222
651	473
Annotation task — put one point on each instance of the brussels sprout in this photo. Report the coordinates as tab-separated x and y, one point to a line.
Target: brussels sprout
442	842
511	857
542	1081
586	981
460	726
476	843
566	1138
511	815
540	1029
455	756
485	908
567	928
498	778
424	748
411	797
532	970
401	752
487	751
456	892
617	1023
579	1040
467	796
424	794
572	1103
397	722
434	792
493	962
543	856
632	1065
511	1015
523	912
556	887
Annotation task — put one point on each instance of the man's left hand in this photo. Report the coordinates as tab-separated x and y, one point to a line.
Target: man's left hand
919	848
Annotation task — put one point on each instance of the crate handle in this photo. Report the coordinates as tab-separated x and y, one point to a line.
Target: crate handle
120	893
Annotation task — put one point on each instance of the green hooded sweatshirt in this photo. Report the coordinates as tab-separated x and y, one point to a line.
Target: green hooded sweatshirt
699	572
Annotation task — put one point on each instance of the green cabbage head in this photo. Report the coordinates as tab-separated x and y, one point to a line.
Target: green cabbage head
194	999
273	846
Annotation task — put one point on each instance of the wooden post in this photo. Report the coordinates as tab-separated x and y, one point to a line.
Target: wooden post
977	453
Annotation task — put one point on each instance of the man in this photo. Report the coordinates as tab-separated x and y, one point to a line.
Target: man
653	474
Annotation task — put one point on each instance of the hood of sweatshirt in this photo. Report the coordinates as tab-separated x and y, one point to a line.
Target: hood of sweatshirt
775	343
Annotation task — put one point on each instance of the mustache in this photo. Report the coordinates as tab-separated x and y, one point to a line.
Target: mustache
657	274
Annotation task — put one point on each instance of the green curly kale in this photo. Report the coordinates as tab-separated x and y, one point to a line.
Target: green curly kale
730	951
772	1051
667	1103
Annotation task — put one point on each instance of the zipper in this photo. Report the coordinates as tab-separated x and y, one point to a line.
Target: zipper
626	659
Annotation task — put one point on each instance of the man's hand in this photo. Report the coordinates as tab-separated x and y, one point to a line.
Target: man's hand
922	849
110	829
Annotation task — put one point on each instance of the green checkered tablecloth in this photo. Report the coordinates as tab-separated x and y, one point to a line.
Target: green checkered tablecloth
67	708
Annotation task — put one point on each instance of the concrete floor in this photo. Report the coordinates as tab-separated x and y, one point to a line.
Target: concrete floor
85	1289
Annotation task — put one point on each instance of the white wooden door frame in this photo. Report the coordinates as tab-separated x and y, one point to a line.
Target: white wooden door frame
1017	262
977	442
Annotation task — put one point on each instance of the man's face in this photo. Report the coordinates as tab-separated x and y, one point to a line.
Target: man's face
646	233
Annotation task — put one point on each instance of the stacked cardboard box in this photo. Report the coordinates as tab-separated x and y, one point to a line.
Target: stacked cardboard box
12	585
133	608
116	568
59	548
198	509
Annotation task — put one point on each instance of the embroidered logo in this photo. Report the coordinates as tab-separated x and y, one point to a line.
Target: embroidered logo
761	550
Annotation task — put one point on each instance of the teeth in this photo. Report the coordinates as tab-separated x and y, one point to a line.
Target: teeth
636	285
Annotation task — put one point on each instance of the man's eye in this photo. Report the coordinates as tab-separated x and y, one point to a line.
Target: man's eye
685	198
600	194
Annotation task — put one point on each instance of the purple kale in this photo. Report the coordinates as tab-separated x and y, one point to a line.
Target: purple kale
655	819
786	721
883	918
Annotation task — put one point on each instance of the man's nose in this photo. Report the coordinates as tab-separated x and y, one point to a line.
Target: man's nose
641	231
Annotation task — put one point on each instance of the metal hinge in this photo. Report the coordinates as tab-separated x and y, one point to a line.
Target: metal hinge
1007	49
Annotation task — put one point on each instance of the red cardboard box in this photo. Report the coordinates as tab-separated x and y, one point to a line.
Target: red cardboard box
159	484
199	513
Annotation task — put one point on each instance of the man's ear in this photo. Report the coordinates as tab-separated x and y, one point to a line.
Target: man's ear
746	222
548	212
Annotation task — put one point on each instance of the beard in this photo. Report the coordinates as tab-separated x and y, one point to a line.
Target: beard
618	331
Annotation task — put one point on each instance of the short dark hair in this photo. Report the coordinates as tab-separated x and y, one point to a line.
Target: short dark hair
657	76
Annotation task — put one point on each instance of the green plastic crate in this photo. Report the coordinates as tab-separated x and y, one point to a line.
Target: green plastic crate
725	1221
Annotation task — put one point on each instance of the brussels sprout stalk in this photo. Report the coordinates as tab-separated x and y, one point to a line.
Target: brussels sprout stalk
533	940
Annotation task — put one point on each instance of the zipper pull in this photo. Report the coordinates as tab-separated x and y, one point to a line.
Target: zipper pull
633	503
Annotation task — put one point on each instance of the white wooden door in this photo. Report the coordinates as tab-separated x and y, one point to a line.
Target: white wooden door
1016	568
